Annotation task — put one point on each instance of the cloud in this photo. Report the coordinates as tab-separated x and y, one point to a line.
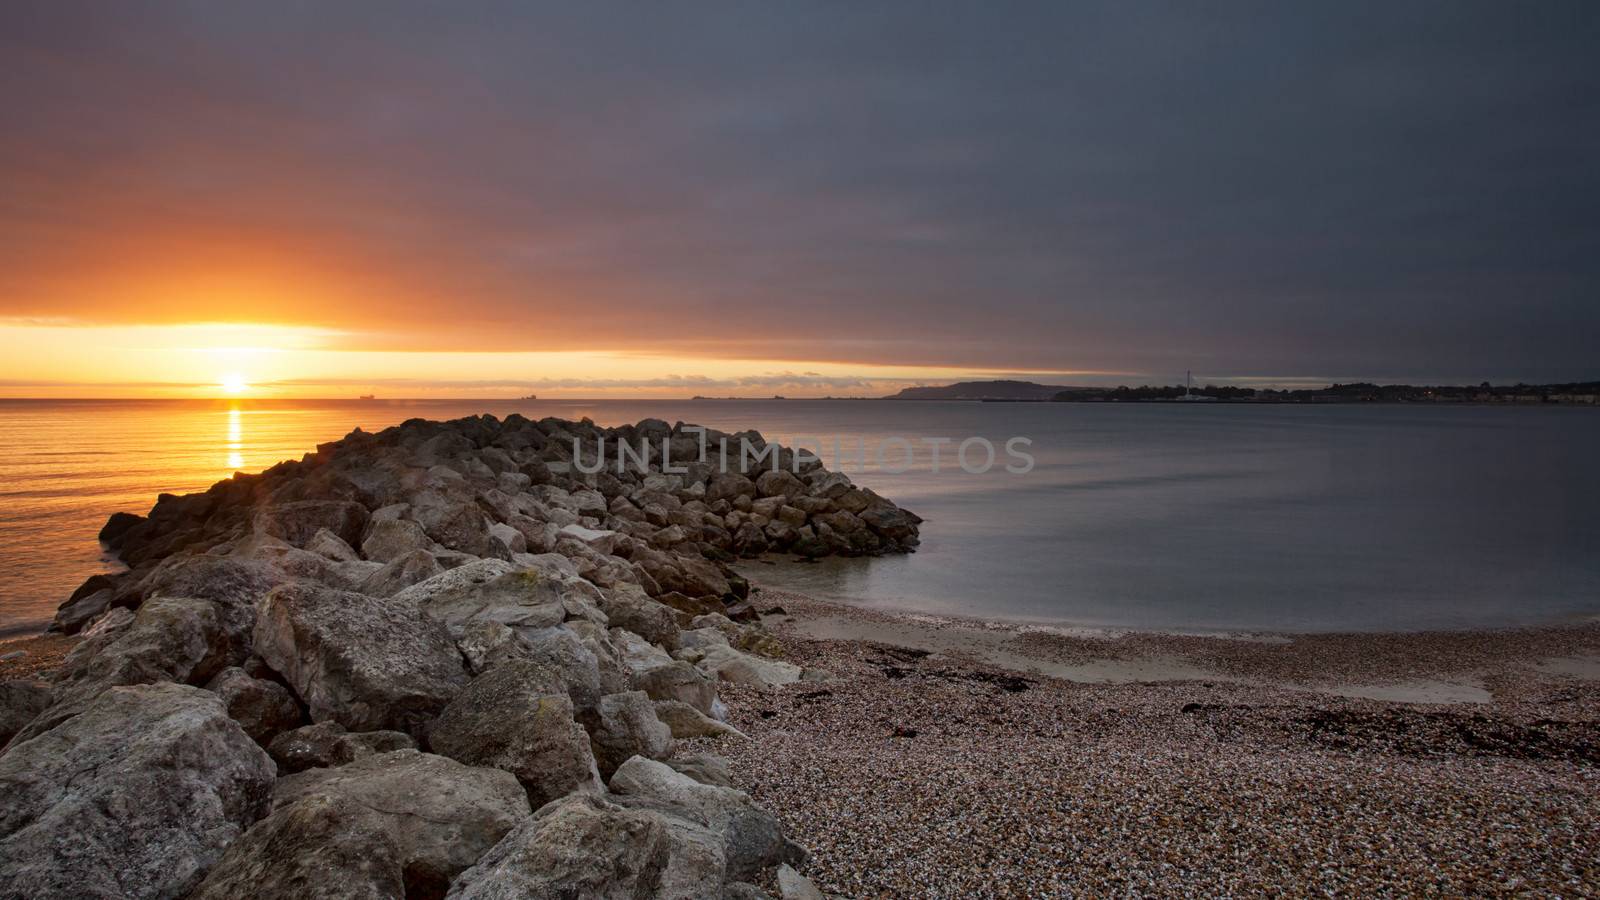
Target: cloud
1151	187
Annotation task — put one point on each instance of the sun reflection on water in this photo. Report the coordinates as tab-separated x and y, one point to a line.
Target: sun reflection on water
235	445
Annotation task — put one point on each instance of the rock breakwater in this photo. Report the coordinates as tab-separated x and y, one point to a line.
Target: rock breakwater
450	658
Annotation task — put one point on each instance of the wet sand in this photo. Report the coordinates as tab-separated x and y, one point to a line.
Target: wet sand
1422	667
952	758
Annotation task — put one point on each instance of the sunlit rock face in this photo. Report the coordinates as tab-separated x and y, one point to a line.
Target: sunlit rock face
500	626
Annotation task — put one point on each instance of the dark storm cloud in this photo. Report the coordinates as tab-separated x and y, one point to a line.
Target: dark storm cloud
1354	189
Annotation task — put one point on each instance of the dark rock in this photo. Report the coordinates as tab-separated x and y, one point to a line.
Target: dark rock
692	606
116	527
262	708
20	703
779	484
460	526
92	598
728	486
743	612
328	744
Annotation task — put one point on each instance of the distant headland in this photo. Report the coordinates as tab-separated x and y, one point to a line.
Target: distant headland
1585	393
985	390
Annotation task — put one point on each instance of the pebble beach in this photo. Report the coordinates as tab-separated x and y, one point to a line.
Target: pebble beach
936	773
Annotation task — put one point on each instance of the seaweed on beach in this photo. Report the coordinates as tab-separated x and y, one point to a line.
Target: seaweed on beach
1005	681
1407	732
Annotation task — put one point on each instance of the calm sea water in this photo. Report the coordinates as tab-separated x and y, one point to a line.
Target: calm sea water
1147	516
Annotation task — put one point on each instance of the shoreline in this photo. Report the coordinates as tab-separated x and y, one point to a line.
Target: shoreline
1311	662
930	764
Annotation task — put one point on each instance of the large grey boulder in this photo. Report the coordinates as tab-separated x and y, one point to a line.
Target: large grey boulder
629	607
738	667
794	886
697	861
687	722
519	718
400	573
601	540
779	484
695	577
390	539
328	744
293	562
233	585
597	638
462	580
514	540
298	522
519	599
678	680
329	545
829	485
262	708
458	525
316	847
651	670
136	796
627	726
564	651
890	521
728	486
441	814
176	639
752	837
580	846
705	768
366	663
487	644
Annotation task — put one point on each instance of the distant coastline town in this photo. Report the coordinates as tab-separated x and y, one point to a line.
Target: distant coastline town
1583	393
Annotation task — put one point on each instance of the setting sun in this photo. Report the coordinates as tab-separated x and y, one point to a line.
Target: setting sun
233	383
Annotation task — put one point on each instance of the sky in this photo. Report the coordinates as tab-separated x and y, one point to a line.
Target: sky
606	199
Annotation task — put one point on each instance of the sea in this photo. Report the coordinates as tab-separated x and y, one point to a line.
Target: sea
1199	517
